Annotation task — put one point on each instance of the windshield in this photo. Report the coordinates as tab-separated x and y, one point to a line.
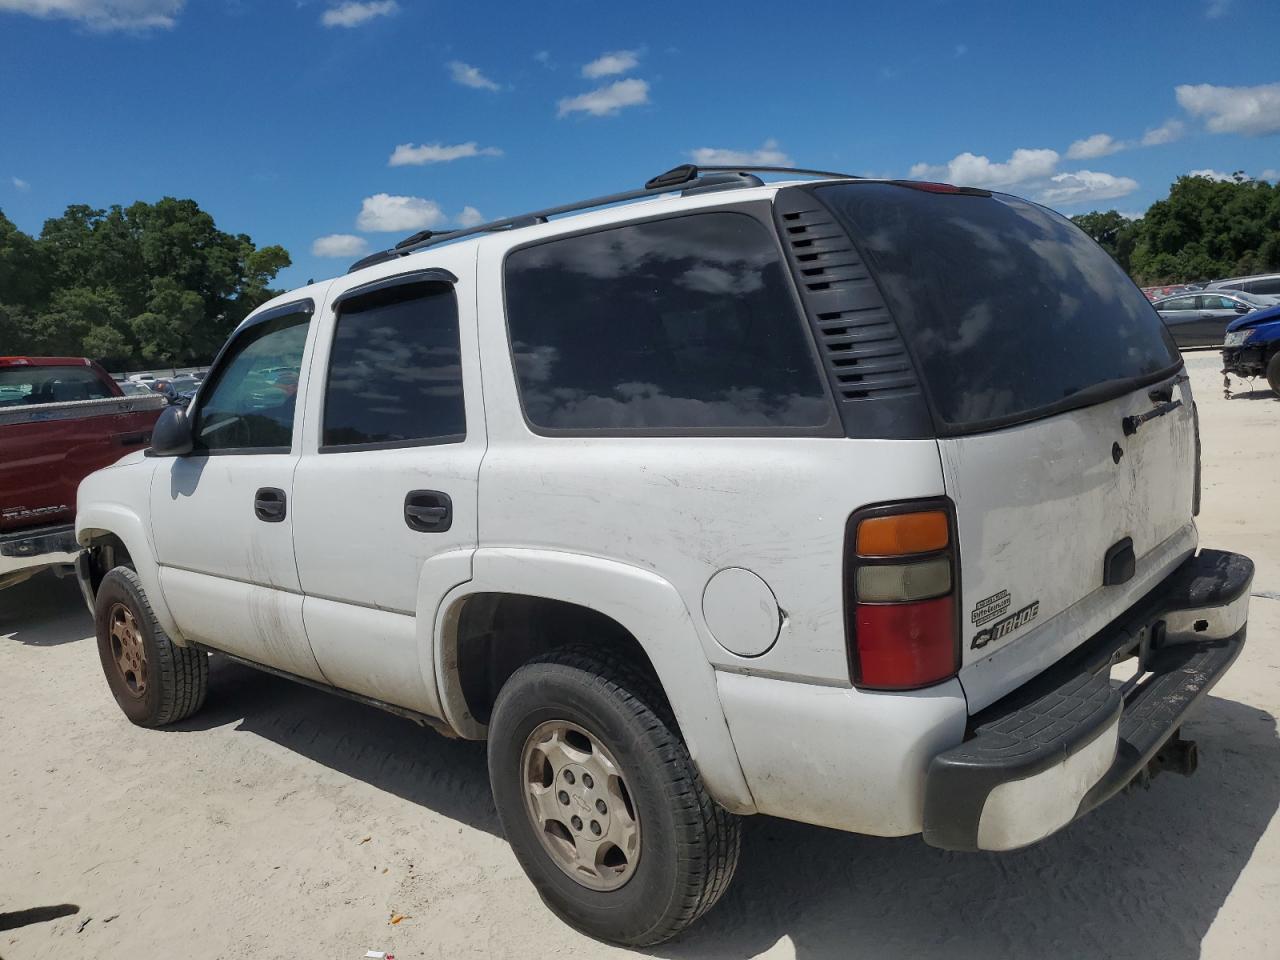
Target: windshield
1253	301
1009	308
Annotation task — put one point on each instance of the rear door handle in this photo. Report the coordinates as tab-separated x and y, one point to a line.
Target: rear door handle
428	511
269	505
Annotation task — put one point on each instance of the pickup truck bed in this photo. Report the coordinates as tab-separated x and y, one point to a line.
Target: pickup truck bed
46	449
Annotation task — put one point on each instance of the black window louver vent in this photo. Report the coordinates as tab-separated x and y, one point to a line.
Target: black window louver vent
862	350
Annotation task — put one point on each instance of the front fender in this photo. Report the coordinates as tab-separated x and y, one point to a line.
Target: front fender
97	520
649	607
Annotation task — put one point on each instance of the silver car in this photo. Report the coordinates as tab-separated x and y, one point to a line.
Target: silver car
1264	284
1200	319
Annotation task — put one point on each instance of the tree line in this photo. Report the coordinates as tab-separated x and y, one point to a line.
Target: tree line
151	284
1204	230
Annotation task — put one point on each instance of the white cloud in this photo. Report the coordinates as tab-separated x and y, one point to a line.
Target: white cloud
543	57
1216	8
339	245
470	217
768	155
1099	145
606	101
1253	111
409	155
608	64
967	169
1086	186
20	185
1167	132
353	14
384	213
470	76
103	14
1209	174
1271	174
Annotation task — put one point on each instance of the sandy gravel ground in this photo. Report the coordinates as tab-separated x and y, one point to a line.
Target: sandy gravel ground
286	823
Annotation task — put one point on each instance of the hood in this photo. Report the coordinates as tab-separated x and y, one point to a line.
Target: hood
1248	320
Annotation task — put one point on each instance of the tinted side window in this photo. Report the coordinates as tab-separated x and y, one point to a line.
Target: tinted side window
249	405
395	371
684	323
1179	303
1269	287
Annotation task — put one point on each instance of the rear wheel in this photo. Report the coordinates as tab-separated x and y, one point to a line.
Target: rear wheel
601	802
154	681
1273	373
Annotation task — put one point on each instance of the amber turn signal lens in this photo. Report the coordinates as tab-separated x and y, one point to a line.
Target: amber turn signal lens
903	533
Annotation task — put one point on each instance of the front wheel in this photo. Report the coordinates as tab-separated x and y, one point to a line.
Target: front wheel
154	680
601	802
1273	373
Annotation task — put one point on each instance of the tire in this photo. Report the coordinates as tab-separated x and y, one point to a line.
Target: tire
1273	373
687	846
155	682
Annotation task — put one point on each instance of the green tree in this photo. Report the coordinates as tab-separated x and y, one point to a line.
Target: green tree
151	282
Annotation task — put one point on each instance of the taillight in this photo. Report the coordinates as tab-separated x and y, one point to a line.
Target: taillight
1195	490
900	595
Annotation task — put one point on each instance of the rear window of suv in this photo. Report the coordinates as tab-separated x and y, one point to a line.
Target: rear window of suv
29	385
1011	311
674	325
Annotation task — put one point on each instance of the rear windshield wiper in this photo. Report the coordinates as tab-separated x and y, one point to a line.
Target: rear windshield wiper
1131	423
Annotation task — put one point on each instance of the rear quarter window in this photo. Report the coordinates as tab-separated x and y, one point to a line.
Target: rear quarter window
1008	308
685	323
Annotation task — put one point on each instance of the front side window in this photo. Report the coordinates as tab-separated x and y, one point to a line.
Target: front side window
1179	303
249	404
395	370
679	324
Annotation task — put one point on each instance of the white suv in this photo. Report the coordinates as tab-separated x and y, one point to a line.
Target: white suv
836	500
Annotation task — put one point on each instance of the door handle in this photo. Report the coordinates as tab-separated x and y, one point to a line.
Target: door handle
428	511
269	505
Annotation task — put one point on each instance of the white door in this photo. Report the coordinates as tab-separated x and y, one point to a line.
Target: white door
385	492
221	515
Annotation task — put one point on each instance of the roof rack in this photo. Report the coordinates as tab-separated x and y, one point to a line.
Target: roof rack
688	178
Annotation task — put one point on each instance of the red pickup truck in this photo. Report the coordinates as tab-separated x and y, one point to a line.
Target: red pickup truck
61	418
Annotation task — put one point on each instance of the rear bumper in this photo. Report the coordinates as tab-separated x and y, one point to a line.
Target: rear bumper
1070	739
40	547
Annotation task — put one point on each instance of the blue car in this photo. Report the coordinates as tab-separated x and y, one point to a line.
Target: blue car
1252	346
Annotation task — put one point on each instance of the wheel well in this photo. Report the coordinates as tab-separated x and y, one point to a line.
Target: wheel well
106	552
500	632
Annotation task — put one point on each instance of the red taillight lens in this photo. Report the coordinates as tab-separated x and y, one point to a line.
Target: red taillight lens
905	645
900	583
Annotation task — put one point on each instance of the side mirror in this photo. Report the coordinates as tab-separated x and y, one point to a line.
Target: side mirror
171	436
1242	308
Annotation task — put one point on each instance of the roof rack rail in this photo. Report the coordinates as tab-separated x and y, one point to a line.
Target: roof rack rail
687	177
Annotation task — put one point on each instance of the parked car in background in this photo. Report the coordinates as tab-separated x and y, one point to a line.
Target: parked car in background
1201	319
132	388
1252	347
143	378
679	575
61	418
1267	284
177	389
1157	293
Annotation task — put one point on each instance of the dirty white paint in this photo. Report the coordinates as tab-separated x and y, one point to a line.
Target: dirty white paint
1038	506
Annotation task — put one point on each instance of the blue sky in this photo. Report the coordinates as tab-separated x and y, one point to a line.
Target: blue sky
335	127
